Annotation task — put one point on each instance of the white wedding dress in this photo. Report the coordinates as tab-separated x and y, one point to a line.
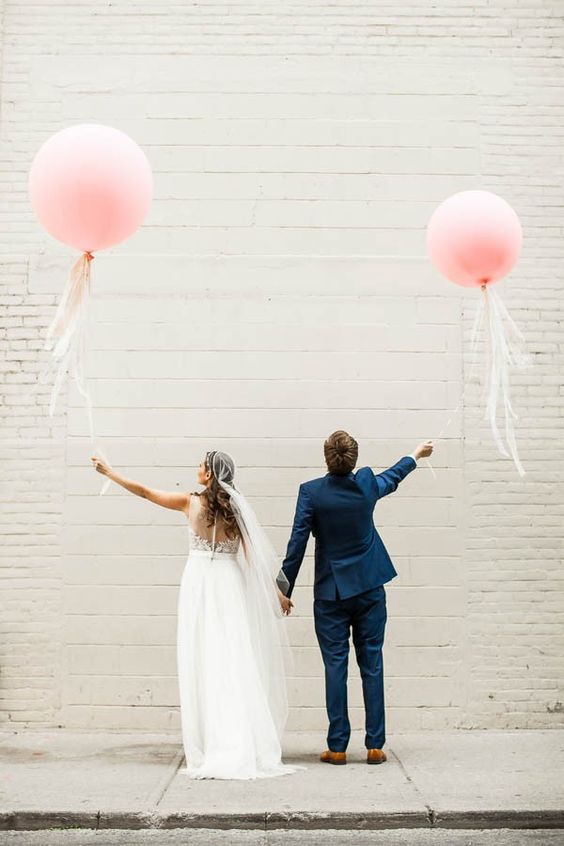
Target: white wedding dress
229	729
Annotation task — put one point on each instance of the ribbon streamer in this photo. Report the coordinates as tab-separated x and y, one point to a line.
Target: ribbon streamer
66	337
505	348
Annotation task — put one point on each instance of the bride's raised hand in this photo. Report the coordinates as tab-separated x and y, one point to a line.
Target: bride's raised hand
100	466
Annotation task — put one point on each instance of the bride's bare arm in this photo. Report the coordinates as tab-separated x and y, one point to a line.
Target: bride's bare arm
177	500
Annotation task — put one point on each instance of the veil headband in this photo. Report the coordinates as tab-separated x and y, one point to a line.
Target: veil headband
222	466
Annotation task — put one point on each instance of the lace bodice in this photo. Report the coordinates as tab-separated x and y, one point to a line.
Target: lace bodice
197	524
230	545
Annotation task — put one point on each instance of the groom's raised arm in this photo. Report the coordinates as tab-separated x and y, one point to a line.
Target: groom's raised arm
387	481
298	539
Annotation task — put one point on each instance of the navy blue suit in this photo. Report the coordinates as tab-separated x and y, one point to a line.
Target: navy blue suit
351	567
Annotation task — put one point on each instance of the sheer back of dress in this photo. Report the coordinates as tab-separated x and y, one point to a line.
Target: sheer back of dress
202	535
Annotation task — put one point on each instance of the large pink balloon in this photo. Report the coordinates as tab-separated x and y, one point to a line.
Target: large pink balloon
474	237
90	186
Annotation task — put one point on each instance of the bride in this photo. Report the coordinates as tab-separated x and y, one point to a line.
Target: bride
231	637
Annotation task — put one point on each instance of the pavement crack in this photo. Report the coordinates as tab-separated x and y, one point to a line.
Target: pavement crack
431	814
167	780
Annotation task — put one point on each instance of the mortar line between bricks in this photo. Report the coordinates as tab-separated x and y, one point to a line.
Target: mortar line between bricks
431	814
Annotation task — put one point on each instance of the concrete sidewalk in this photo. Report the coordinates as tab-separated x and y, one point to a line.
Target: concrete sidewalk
115	780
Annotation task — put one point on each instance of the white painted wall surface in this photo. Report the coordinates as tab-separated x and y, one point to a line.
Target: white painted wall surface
280	290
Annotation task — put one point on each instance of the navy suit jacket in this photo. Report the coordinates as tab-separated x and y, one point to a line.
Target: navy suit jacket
350	557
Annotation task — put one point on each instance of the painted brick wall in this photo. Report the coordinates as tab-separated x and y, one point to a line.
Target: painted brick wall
280	290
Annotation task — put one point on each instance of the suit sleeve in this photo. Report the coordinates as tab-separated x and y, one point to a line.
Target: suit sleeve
386	482
301	529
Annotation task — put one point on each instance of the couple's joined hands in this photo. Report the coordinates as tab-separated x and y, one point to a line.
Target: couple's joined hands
286	603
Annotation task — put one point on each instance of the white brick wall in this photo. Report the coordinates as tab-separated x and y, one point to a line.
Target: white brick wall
280	290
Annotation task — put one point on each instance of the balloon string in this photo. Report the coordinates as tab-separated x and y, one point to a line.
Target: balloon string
66	338
474	337
503	350
478	320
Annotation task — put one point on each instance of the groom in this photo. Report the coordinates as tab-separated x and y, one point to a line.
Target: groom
351	566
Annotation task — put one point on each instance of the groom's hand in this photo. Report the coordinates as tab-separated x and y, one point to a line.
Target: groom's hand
424	449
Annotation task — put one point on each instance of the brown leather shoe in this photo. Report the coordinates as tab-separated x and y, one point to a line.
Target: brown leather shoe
329	757
375	756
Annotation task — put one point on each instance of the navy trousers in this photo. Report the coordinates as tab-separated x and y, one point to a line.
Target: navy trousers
366	614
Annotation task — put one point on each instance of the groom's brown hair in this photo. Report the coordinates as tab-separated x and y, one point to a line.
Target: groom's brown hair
341	452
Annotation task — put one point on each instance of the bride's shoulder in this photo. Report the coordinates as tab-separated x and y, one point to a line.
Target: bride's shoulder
189	496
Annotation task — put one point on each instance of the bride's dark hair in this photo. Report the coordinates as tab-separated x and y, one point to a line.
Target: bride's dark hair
217	502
